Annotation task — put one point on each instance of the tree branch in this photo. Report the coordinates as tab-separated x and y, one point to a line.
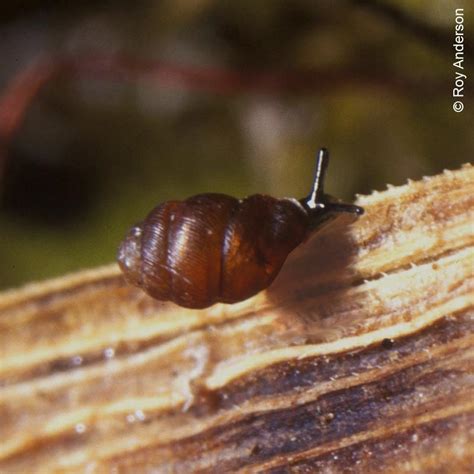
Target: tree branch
359	357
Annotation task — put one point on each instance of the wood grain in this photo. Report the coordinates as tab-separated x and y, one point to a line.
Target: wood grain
359	358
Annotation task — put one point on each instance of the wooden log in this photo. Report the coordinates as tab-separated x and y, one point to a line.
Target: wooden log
359	358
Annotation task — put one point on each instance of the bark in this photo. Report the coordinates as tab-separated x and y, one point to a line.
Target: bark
359	358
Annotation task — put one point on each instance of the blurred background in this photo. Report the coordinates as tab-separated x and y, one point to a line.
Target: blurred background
109	107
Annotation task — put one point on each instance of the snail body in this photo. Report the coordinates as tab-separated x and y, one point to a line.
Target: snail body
215	248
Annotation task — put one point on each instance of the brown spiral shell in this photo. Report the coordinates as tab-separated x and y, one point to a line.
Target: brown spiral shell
212	247
215	248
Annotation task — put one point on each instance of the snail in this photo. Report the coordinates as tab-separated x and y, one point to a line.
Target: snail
214	248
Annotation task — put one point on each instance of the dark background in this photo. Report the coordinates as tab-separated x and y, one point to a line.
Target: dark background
145	101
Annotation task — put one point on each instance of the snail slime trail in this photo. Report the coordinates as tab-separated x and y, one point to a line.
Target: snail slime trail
214	248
